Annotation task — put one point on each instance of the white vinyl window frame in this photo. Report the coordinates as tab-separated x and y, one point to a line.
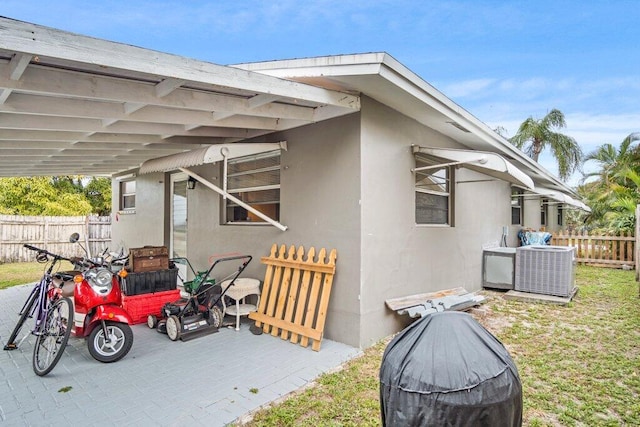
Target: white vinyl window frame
560	215
544	212
127	195
254	180
517	206
434	192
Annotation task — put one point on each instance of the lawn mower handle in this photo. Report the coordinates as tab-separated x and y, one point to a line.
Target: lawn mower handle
233	280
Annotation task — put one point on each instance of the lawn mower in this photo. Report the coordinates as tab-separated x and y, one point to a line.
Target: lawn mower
200	313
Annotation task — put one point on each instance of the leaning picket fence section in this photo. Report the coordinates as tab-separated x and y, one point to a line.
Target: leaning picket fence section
295	294
51	233
603	250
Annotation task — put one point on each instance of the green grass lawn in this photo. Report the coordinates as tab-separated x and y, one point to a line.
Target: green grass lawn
24	272
579	364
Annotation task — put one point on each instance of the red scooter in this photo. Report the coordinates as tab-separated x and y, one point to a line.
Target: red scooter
98	312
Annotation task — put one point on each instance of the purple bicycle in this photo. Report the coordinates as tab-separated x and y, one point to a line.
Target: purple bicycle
53	315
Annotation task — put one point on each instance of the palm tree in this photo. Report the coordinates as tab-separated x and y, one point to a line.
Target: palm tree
535	135
612	161
614	194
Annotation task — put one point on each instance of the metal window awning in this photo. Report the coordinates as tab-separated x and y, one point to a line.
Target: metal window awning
560	197
484	162
212	154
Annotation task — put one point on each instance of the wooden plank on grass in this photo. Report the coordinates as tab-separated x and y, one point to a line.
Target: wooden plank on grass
396	304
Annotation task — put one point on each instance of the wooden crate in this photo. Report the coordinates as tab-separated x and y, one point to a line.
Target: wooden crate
149	258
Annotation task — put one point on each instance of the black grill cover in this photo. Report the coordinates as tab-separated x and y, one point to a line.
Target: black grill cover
447	370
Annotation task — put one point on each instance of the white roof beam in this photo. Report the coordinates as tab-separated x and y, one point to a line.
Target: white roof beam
26	135
262	99
132	107
58	83
221	116
4	95
253	102
18	36
38	145
17	65
111	112
166	86
26	121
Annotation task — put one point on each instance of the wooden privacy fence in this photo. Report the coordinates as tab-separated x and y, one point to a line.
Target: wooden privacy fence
295	294
51	233
605	250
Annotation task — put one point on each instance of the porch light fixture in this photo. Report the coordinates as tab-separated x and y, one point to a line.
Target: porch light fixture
191	183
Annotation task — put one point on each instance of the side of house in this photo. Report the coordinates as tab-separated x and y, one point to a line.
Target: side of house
345	183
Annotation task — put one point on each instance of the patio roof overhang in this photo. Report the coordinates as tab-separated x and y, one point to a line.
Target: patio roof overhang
71	104
487	163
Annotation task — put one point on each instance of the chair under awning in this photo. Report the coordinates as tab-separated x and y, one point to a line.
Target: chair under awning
212	154
491	164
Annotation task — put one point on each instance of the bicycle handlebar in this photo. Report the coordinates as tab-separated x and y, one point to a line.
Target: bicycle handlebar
44	251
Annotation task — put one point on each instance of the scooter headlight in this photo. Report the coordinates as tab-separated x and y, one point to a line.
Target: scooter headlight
100	280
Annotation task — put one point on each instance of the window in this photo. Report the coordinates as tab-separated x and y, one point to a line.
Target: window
433	191
255	180
544	211
560	214
517	198
127	195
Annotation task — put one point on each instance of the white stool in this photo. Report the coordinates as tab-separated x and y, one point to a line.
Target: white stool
241	289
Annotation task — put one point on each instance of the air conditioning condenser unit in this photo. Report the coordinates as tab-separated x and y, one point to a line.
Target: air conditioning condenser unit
548	270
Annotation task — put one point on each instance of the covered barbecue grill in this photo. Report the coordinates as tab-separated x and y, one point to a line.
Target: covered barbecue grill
448	370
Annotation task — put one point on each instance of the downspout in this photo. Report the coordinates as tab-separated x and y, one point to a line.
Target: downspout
223	193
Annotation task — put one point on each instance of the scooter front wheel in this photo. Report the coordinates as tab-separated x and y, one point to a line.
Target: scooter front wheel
112	347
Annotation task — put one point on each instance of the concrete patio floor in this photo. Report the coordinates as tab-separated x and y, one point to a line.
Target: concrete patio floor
212	380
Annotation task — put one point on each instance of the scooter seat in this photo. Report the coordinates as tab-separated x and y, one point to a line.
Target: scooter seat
64	281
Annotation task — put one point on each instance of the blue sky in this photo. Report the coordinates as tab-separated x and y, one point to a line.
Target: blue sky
503	61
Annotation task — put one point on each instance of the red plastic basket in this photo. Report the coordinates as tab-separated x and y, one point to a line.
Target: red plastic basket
141	306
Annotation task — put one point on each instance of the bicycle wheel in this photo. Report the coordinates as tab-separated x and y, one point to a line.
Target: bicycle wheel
52	338
26	312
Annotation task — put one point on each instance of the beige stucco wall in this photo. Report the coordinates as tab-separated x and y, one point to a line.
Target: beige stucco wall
400	258
147	225
532	213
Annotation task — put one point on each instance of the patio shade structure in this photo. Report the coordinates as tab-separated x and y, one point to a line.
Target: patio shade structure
487	163
77	105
